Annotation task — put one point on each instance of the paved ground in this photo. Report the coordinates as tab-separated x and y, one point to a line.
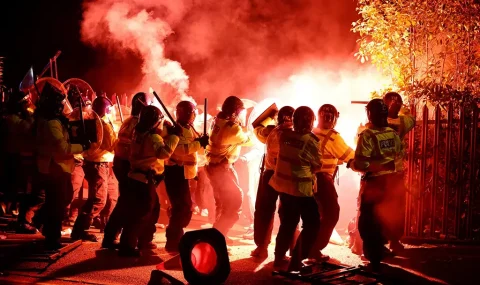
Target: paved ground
88	264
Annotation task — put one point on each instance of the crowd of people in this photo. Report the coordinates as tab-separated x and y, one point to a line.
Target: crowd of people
48	159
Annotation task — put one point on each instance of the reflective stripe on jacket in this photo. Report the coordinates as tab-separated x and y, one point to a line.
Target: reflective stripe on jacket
297	162
333	148
186	153
148	152
125	135
376	148
226	140
54	147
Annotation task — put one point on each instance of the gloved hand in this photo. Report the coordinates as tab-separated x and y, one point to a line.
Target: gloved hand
86	145
174	130
203	140
349	163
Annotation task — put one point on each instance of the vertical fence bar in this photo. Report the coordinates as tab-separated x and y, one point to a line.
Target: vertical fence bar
423	168
436	161
411	164
448	150
460	169
473	168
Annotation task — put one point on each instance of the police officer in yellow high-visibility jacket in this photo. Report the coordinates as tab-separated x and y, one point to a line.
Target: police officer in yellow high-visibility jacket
226	140
55	162
334	152
378	147
266	202
298	160
121	167
179	168
97	173
399	119
148	152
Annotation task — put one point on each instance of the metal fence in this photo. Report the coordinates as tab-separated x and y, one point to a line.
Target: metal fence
443	173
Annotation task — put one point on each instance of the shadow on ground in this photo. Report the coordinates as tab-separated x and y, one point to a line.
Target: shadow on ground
452	264
103	260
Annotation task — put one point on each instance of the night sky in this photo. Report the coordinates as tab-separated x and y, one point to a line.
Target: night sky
33	31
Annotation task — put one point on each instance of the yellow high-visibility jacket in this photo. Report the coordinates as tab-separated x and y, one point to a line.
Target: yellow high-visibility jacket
226	140
376	148
333	148
20	134
125	135
403	124
54	147
148	152
297	162
105	152
186	153
270	136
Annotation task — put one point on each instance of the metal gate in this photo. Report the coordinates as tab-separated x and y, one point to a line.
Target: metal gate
443	173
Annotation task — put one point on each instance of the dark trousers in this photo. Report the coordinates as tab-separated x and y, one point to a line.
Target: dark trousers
139	224
58	193
77	181
228	196
114	225
374	215
396	198
291	209
265	206
96	175
178	192
11	175
329	210
33	199
112	197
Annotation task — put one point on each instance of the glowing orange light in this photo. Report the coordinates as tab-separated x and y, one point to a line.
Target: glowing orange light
204	258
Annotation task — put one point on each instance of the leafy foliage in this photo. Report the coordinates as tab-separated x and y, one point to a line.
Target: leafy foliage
429	48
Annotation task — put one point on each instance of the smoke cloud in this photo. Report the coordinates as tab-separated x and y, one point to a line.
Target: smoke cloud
139	26
297	52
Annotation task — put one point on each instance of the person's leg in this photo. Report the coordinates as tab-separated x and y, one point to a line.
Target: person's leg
178	192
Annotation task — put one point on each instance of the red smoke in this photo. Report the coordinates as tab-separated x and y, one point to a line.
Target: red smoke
295	52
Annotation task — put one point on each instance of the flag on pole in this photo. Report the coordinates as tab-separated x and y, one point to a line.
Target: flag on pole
28	80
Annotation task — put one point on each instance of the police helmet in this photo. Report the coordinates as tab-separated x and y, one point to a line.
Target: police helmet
285	114
328	116
101	105
377	113
186	112
150	117
139	101
232	106
303	119
51	101
394	103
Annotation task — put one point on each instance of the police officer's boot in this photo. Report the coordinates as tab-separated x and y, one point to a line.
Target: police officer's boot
79	229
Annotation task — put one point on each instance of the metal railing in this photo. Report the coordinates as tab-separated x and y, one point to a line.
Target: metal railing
443	173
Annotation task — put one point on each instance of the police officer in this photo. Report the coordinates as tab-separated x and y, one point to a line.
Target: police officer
399	119
147	154
226	140
78	175
97	171
54	161
334	152
179	168
121	167
266	202
377	149
297	162
20	159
